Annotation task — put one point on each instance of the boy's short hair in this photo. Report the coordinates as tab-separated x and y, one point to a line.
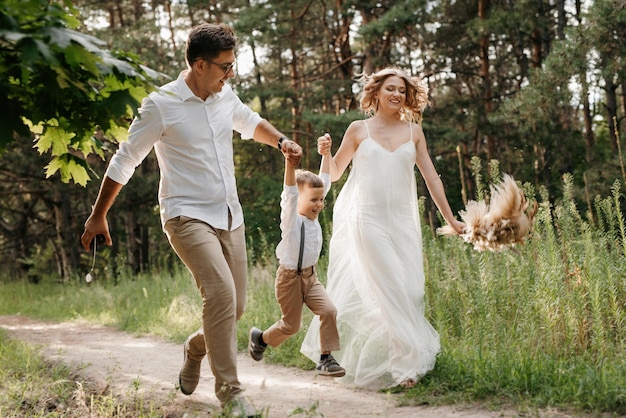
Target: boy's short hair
305	177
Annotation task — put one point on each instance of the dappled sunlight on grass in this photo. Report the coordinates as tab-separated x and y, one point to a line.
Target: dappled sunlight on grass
541	325
181	317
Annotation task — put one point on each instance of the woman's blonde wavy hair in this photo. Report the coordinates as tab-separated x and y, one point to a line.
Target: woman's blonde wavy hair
416	93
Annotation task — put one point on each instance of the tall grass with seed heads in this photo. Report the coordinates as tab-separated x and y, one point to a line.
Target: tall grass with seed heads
543	324
540	326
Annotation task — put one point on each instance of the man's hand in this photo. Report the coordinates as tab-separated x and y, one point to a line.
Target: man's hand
292	152
95	228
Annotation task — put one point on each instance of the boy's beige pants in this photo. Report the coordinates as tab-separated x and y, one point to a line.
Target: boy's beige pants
293	291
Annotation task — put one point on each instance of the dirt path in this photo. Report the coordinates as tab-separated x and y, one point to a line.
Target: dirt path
122	361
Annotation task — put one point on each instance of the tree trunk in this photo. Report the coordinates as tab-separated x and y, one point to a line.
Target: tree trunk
611	109
588	119
483	10
518	46
343	42
66	243
561	19
369	53
170	26
120	13
131	238
294	73
144	249
623	96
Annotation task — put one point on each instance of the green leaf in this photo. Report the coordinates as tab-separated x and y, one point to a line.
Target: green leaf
29	51
88	144
119	133
70	168
46	52
65	82
11	35
112	64
77	56
55	139
63	37
62	78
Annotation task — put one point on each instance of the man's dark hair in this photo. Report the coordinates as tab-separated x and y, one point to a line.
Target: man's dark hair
208	40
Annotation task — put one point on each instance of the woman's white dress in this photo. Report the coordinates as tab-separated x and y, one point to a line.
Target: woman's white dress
376	272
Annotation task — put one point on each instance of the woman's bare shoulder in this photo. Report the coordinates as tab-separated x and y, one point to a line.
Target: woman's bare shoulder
417	133
356	125
356	131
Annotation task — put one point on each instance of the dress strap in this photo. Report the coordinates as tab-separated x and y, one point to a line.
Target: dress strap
411	129
367	129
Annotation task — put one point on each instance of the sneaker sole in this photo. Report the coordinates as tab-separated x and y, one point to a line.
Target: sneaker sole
332	374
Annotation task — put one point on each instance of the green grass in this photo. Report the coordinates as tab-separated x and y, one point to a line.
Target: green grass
159	304
541	326
31	386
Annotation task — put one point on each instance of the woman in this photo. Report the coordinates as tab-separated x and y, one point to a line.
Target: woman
376	272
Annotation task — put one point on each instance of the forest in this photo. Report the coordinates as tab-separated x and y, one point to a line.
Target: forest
536	87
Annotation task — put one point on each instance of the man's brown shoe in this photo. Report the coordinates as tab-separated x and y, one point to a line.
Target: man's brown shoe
240	407
189	375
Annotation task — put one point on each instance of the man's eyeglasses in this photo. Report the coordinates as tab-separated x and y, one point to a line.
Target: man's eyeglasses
225	67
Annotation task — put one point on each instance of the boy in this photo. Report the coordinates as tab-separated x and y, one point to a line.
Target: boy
302	200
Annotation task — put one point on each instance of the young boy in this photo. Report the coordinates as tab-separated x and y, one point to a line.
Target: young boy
302	200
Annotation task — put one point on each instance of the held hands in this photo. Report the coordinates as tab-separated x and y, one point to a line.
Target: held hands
324	144
292	152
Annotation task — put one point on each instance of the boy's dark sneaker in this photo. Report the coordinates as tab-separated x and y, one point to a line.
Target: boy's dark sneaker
330	367
254	345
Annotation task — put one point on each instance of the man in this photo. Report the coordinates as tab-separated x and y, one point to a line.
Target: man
189	123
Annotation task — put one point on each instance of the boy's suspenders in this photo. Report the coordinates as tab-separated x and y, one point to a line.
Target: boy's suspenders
301	249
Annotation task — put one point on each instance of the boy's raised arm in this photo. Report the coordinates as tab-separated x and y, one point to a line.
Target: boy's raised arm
290	173
324	144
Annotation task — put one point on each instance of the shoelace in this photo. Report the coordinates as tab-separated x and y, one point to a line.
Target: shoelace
330	361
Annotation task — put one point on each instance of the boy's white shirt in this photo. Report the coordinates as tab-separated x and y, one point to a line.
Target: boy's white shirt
288	249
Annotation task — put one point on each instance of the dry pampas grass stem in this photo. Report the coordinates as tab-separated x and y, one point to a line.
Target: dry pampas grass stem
503	222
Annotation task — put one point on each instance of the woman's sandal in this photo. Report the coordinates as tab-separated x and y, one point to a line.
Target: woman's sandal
408	383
